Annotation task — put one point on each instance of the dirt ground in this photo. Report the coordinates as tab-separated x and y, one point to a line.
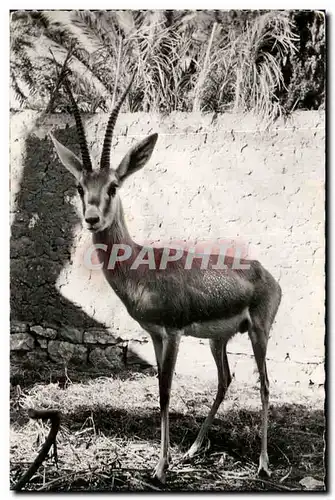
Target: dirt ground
110	431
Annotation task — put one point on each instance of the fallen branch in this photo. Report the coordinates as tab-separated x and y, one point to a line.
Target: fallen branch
54	416
148	485
63	478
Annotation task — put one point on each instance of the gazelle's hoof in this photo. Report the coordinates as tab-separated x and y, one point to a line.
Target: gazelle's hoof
263	469
190	453
159	474
195	449
263	472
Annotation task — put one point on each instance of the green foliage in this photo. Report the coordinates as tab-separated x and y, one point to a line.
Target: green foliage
267	62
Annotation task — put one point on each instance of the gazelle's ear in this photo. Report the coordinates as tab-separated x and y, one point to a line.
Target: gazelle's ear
69	159
137	157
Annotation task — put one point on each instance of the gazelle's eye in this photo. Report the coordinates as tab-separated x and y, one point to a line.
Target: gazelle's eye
111	190
80	190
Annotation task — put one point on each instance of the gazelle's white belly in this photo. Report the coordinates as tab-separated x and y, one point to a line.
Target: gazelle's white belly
223	328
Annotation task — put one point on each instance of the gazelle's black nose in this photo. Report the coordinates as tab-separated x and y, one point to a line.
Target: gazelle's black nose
92	220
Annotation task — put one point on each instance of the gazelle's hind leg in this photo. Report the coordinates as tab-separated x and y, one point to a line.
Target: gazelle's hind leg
259	339
158	347
218	348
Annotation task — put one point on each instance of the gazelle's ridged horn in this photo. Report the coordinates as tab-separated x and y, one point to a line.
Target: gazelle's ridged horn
105	155
85	155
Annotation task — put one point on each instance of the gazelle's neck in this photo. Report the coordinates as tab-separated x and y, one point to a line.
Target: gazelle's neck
116	238
117	232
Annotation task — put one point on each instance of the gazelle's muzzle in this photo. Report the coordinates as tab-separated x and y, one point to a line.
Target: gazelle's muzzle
93	218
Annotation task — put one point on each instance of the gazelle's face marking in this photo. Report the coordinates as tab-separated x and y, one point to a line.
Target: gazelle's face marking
98	191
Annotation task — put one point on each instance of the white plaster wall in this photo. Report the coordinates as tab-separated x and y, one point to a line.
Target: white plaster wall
211	179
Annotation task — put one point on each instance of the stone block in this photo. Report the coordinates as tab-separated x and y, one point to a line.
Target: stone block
43	343
21	342
72	334
18	327
48	333
65	352
111	357
99	336
36	358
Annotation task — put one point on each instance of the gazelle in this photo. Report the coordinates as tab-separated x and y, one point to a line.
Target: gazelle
174	300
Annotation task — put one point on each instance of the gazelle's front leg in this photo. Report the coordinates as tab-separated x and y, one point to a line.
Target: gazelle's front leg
168	351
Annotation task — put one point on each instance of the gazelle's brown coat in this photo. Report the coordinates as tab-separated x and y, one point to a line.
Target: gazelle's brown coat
168	303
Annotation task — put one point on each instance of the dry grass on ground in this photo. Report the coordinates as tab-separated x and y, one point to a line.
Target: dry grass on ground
109	437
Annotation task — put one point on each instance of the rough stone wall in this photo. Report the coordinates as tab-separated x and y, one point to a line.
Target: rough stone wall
208	178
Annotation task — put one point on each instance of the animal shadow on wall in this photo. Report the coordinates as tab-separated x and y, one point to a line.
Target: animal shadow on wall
42	236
